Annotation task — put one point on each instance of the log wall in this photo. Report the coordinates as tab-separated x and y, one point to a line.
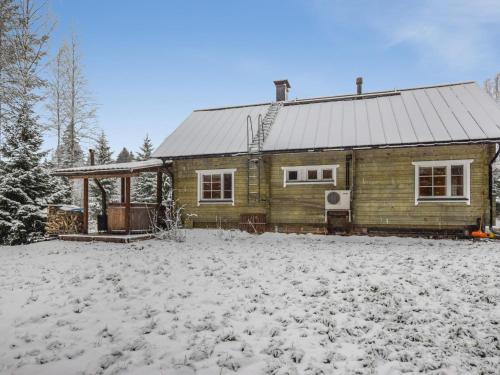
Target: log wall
382	181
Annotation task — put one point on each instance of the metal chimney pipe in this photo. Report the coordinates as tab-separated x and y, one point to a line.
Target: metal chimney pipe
92	157
282	87
359	85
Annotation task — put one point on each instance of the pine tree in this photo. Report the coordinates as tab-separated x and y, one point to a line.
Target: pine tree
144	186
23	186
103	155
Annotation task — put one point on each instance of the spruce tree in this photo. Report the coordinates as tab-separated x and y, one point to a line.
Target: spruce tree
145	184
8	11
24	182
103	155
124	156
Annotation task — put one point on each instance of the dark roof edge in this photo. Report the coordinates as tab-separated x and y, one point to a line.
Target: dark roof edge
339	148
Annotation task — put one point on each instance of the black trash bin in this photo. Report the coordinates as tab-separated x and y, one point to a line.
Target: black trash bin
102	223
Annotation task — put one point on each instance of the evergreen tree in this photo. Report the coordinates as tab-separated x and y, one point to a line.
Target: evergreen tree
145	184
59	188
23	186
103	155
124	156
70	153
8	11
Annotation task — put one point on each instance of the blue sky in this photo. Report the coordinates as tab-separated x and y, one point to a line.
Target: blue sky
150	63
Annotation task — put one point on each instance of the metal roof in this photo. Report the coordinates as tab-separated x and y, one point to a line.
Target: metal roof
213	131
460	112
107	169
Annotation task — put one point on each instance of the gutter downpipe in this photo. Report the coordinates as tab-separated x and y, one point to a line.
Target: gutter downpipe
490	187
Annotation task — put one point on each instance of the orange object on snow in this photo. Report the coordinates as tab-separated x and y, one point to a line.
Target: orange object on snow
479	234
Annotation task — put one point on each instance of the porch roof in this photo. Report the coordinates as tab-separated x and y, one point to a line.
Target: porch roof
111	170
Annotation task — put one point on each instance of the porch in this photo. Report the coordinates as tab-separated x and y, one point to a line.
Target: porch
123	220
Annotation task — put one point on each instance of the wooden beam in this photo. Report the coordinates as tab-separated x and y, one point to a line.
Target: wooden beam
159	187
122	188
85	205
127	204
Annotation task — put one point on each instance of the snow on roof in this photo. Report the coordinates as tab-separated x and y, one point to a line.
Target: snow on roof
115	168
458	112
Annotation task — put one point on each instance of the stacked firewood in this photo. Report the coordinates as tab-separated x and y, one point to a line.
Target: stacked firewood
61	220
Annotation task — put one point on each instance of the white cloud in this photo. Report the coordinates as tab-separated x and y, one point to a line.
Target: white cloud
458	33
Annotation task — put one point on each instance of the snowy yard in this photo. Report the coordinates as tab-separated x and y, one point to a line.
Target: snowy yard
225	302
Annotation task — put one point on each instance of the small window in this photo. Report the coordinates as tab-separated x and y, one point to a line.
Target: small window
309	174
327	174
215	186
312	174
293	175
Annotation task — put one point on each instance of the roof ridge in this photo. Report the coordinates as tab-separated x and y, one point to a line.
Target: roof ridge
317	99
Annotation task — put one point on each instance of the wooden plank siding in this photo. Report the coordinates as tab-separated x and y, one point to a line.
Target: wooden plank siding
383	182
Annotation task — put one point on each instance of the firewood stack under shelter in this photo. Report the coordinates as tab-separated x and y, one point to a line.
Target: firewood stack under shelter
63	219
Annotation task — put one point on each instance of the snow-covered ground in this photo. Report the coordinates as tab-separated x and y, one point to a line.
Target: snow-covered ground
225	302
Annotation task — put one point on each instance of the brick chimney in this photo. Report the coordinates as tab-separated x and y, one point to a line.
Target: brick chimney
282	87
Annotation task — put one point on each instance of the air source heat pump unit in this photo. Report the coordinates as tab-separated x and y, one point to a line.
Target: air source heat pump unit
337	200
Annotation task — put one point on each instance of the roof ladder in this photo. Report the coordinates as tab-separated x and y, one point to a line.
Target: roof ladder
255	141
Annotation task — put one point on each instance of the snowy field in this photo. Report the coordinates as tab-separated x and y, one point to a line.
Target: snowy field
226	302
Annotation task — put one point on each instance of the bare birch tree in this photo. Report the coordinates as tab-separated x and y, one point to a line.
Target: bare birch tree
55	103
78	109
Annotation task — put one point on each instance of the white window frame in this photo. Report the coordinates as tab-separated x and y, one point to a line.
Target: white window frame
200	173
302	177
448	197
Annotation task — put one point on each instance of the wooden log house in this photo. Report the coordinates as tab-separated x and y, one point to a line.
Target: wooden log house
416	160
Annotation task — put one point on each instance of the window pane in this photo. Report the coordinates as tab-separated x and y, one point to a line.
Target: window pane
457	180
216	178
426	181
312	175
457	190
457	170
228	181
439	181
207	195
425	191
327	174
228	194
293	175
216	194
425	171
207	178
439	171
439	191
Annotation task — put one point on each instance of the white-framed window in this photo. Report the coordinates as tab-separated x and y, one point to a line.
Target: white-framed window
216	186
310	174
442	181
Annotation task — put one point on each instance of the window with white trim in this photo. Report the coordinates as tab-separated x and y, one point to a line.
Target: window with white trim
442	180
216	186
310	174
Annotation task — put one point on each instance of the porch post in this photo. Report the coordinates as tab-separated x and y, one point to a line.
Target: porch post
159	190
85	206
127	204
122	188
